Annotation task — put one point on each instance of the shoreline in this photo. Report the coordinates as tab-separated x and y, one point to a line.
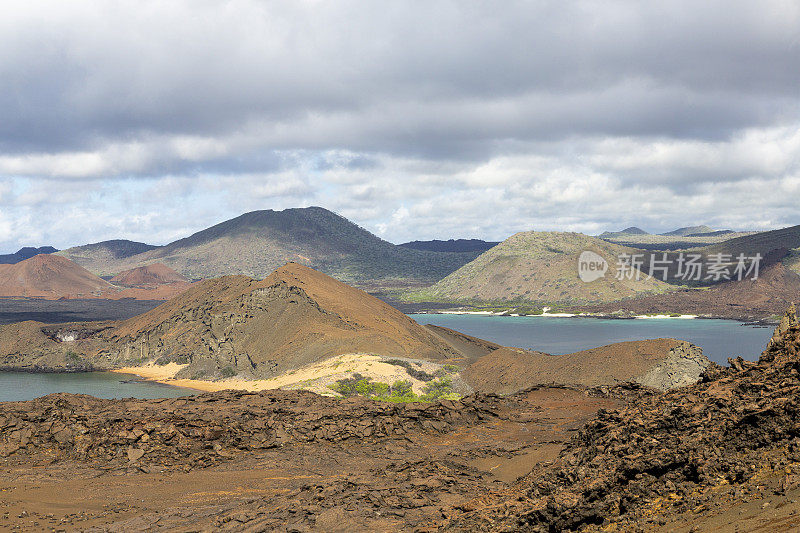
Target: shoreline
750	321
165	375
572	315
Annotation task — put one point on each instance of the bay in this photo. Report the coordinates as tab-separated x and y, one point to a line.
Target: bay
719	339
16	386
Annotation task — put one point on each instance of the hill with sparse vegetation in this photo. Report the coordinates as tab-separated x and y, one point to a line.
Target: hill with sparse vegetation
538	267
97	256
256	243
689	230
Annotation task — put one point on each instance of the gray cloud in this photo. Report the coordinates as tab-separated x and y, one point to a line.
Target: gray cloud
417	119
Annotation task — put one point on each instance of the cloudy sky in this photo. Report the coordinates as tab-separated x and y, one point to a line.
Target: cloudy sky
150	120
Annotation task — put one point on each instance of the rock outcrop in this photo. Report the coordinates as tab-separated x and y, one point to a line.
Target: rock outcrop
683	366
658	363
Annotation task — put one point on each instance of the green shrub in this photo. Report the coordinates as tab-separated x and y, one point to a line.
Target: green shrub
358	385
400	391
438	388
402	388
227	372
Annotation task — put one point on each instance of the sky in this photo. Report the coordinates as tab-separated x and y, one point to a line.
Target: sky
150	120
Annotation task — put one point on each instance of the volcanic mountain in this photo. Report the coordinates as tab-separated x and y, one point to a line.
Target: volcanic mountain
50	277
633	230
543	267
148	276
256	243
237	325
689	230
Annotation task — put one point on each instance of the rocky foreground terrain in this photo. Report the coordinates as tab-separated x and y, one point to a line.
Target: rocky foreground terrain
278	460
722	454
685	457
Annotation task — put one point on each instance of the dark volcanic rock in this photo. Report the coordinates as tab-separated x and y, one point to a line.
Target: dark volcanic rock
202	430
666	453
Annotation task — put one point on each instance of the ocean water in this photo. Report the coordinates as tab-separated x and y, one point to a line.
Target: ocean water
15	386
719	339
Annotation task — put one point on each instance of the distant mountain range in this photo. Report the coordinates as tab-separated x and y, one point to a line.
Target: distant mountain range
713	233
529	267
25	253
256	243
689	230
451	245
633	230
542	267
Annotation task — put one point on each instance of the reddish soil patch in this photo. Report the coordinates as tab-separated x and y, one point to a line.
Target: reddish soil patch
148	276
50	277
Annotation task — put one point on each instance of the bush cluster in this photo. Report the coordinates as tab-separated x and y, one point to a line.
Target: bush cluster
400	391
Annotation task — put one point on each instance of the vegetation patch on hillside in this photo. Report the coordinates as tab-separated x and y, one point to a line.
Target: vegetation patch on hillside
400	391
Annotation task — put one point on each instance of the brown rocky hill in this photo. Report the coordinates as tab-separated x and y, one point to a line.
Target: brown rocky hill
659	363
147	276
294	317
238	325
50	277
689	456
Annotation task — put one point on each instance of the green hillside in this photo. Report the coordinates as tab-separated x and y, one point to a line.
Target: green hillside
539	267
